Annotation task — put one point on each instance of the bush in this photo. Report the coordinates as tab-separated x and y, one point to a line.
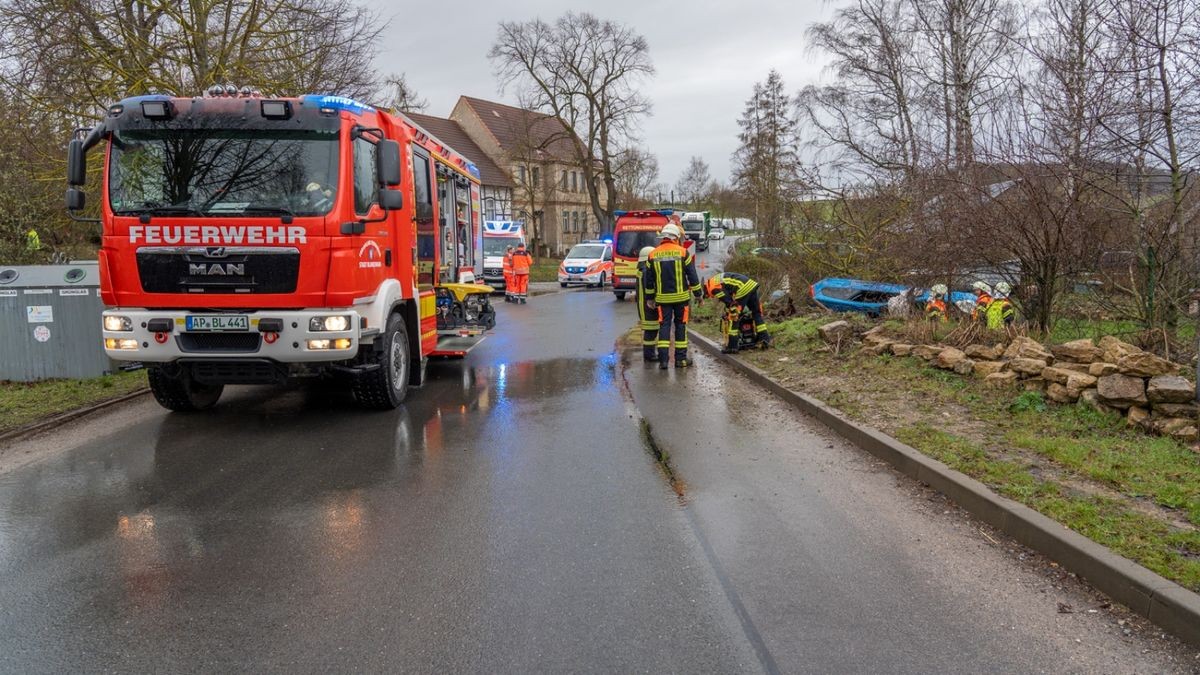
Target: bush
767	272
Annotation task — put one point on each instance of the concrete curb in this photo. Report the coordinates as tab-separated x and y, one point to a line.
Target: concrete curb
1162	601
35	427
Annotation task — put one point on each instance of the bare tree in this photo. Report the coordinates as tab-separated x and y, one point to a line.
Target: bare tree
1154	129
585	72
636	178
966	41
66	61
868	115
398	94
693	182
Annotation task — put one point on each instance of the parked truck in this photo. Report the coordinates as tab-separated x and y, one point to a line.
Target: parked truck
248	239
696	225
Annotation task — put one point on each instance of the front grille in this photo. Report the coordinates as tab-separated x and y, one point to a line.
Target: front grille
493	272
576	270
219	343
217	269
238	372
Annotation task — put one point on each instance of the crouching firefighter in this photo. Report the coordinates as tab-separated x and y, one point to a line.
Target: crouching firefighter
737	291
647	313
669	281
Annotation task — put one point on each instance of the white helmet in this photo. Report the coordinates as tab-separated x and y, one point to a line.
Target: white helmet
982	287
644	254
671	231
939	289
1003	289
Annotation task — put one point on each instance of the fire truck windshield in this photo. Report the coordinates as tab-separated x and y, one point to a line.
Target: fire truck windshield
630	242
221	173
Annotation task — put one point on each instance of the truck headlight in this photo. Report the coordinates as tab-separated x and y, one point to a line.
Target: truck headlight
114	323
329	324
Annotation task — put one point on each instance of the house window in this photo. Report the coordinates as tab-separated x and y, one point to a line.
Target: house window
583	220
574	182
566	221
536	176
575	221
521	175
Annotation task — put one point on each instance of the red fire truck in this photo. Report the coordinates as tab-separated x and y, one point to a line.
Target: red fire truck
249	239
632	231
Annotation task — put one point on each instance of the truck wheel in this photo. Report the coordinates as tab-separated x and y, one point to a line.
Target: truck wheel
385	387
620	295
562	284
181	394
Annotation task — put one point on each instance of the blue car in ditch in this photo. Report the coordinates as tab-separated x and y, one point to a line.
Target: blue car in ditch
871	297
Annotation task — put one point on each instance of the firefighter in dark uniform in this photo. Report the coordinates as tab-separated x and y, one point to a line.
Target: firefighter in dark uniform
737	291
647	314
670	280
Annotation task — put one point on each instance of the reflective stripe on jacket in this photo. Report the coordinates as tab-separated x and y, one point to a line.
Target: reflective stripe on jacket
647	318
734	286
670	275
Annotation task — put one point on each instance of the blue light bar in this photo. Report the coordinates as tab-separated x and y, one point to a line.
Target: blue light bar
337	103
618	214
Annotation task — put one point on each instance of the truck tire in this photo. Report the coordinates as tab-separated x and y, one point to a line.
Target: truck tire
385	387
620	295
180	393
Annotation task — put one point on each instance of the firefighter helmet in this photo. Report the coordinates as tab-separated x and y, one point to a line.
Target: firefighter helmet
982	287
939	290
712	285
644	254
671	231
1003	289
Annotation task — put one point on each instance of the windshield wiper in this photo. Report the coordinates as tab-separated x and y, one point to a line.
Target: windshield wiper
285	213
159	210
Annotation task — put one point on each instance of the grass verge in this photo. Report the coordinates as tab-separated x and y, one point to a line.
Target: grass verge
23	403
1136	494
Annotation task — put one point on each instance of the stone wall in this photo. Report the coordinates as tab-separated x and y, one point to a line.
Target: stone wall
1109	375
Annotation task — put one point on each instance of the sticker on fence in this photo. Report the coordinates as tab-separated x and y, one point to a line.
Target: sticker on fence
41	334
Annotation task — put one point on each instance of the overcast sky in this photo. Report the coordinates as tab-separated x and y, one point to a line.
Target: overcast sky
708	55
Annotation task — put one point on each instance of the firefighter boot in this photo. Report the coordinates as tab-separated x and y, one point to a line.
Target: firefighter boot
681	359
731	346
649	355
664	359
764	340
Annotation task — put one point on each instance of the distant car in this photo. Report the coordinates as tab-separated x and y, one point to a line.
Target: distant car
588	263
716	233
769	251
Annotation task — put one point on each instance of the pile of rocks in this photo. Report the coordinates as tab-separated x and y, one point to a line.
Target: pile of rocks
1109	375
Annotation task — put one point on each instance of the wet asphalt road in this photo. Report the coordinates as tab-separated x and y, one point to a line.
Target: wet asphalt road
509	519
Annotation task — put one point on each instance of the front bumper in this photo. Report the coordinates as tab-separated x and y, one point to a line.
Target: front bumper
569	279
289	345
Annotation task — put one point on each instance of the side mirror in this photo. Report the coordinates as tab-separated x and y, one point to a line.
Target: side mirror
75	199
387	163
391	200
76	163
